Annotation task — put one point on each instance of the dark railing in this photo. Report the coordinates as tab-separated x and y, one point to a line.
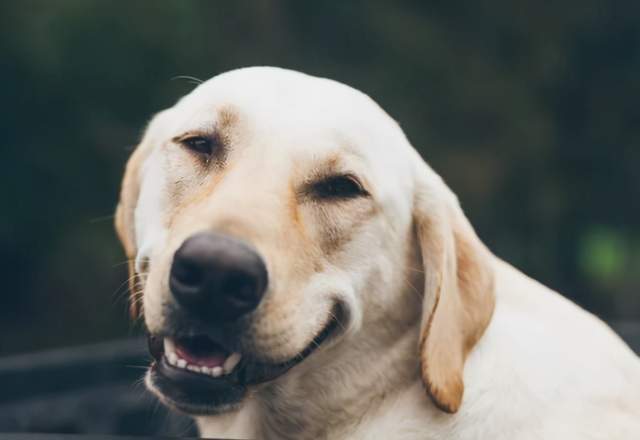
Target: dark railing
94	389
98	390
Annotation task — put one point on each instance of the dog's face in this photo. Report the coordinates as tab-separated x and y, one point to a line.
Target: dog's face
269	215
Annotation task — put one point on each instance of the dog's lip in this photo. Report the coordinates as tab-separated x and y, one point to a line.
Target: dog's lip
248	371
254	373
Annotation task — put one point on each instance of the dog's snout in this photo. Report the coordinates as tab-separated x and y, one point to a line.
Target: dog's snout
217	277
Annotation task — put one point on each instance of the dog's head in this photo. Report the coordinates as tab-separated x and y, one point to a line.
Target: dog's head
269	215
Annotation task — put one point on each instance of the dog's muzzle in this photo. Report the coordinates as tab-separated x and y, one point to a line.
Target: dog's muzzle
199	366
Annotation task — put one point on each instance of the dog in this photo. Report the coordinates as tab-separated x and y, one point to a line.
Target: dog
303	273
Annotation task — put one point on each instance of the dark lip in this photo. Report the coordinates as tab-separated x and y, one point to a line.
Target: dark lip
198	394
256	372
194	393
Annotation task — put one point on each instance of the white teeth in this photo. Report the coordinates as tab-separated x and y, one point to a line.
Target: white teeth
169	346
170	351
172	358
231	362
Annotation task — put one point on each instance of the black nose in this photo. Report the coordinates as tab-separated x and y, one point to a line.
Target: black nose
215	276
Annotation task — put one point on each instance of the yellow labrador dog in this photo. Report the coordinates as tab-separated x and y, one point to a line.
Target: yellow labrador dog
304	274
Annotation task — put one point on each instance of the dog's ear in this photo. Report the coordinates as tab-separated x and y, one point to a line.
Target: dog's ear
458	295
125	222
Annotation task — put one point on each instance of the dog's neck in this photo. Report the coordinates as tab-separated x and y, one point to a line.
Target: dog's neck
345	390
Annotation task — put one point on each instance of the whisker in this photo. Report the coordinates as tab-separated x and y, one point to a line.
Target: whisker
137	367
139	385
102	218
126	281
156	407
191	79
413	269
335	318
119	293
120	263
418	293
188	427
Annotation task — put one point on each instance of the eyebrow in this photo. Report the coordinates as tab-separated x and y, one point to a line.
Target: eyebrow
220	130
326	168
335	164
331	166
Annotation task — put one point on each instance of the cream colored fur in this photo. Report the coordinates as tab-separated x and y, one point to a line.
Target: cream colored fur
443	341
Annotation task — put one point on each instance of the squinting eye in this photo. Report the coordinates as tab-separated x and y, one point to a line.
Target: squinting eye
338	187
198	144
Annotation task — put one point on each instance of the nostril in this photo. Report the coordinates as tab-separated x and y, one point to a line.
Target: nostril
241	288
187	281
188	273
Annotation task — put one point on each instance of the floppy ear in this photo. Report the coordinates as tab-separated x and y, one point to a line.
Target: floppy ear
124	222
458	295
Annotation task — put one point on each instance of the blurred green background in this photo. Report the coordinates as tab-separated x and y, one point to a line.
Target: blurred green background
529	110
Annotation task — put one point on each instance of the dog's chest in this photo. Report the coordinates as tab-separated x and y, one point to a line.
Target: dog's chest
401	414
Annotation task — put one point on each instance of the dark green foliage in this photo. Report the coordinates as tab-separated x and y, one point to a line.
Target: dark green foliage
529	110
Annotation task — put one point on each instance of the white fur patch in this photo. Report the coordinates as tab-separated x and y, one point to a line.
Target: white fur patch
150	229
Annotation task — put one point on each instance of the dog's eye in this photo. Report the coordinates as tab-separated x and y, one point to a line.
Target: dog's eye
198	144
338	187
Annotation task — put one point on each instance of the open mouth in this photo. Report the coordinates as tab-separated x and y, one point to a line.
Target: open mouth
200	354
198	375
